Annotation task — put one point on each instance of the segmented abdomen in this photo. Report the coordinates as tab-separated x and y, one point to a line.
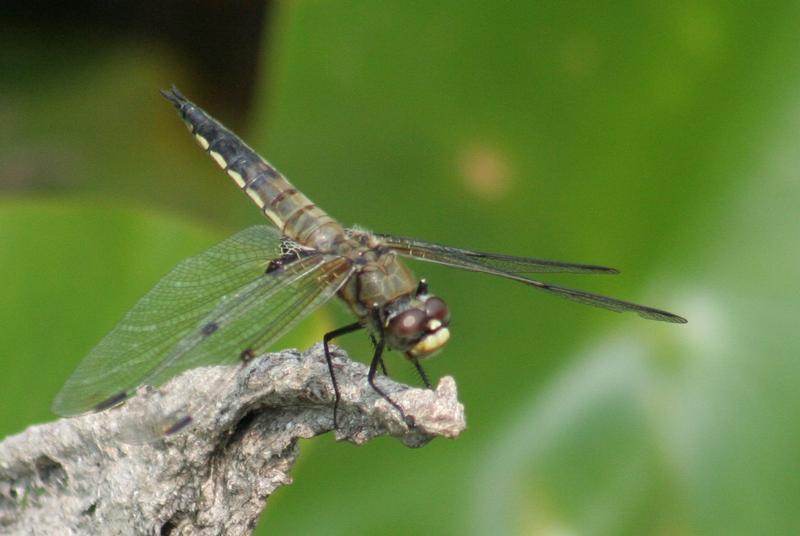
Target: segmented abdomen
289	209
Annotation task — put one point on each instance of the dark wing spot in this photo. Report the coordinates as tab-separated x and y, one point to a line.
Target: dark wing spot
247	355
111	402
178	425
210	328
274	265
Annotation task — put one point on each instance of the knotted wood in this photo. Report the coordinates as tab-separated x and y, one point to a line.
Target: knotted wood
75	476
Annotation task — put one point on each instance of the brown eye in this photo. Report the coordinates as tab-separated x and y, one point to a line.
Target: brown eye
408	323
436	308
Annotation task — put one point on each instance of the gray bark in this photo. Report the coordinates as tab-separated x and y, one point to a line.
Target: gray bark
75	476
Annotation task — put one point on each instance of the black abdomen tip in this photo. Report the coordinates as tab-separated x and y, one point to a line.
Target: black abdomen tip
175	97
210	328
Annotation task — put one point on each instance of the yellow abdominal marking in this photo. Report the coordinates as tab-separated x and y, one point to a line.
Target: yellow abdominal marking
202	141
255	196
237	178
273	217
430	343
218	159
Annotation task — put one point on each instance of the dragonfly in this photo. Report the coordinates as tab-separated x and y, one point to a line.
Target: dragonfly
231	302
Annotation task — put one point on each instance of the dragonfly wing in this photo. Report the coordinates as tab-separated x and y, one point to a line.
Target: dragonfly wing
512	267
597	300
480	260
245	325
164	316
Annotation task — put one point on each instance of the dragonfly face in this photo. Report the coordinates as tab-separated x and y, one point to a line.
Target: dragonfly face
418	325
231	302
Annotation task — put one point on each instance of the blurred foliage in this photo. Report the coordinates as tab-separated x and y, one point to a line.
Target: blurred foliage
660	139
71	269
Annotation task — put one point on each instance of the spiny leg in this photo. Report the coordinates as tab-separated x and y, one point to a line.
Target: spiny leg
422	374
325	340
373	366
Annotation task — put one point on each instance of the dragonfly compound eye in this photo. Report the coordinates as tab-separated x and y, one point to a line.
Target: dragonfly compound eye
436	308
408	324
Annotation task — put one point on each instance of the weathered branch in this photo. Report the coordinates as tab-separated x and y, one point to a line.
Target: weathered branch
74	476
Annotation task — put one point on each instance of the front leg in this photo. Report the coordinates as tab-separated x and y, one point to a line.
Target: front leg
373	366
325	340
382	363
421	373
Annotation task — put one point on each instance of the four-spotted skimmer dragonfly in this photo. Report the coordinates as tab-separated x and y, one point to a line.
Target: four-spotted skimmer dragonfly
231	302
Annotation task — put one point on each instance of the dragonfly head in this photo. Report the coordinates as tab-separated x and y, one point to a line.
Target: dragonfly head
420	327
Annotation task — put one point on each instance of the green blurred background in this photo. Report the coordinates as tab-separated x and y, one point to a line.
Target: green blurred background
659	138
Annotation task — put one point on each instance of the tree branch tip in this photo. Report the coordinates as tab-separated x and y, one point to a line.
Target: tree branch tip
215	476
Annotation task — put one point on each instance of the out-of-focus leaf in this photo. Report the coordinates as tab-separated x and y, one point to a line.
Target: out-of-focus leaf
629	135
615	135
692	432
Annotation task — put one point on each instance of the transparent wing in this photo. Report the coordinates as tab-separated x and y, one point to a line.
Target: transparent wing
245	325
166	314
481	261
512	268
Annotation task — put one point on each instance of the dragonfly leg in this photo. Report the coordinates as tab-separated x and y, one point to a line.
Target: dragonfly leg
373	367
382	363
422	374
325	340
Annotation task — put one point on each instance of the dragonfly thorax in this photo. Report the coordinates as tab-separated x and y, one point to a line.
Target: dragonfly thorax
386	296
380	278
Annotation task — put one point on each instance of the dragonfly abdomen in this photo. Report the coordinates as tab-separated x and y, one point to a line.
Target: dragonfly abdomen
288	208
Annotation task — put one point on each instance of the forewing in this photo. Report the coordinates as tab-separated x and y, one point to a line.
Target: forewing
481	261
165	315
246	324
512	268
